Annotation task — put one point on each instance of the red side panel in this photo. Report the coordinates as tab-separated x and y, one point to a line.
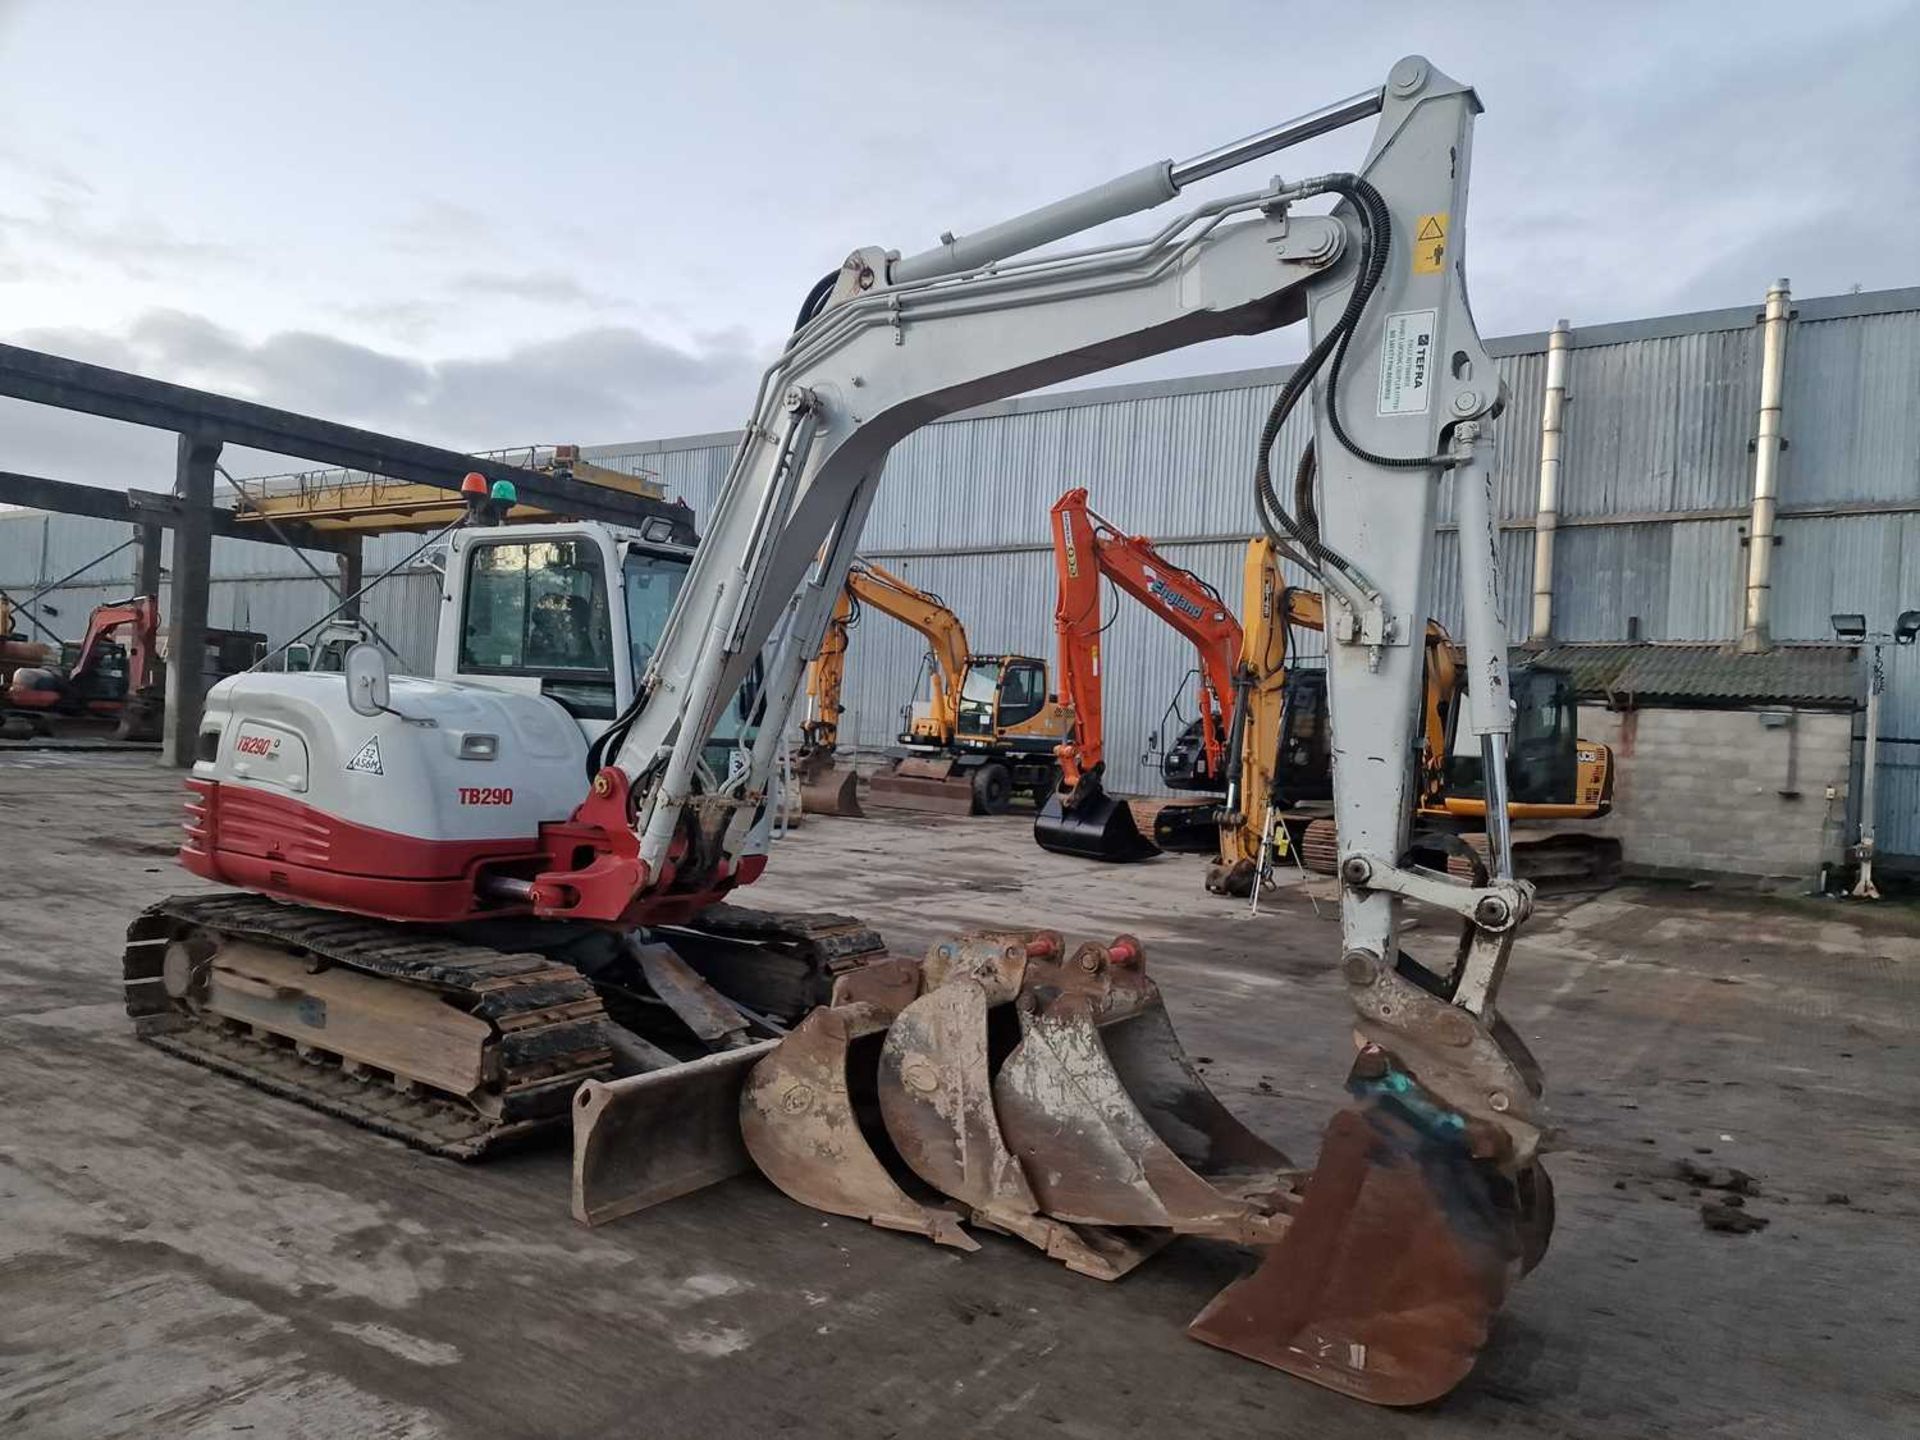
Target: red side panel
278	845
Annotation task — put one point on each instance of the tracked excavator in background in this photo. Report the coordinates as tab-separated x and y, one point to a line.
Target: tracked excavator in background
1278	756
491	872
1080	817
985	733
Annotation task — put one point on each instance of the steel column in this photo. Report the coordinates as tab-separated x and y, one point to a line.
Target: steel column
146	564
187	615
352	571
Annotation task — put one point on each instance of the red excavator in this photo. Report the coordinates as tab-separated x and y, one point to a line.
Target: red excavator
1081	818
114	680
114	677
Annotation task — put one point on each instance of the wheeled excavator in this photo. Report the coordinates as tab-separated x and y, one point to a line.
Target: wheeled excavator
1080	817
985	733
510	862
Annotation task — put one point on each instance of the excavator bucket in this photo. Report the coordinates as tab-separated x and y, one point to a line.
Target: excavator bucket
831	791
1096	826
937	1099
934	786
1401	1250
800	1122
1092	1136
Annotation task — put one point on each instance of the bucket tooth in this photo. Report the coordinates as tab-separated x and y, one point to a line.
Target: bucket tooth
1095	1153
798	1121
1398	1255
936	1097
1097	826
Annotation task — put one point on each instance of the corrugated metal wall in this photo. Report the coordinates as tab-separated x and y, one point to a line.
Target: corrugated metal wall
1655	483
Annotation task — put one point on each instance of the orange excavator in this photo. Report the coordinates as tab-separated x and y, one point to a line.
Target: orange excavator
1081	818
112	678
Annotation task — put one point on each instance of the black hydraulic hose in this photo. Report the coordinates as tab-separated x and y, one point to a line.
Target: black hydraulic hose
1303	491
816	299
1376	240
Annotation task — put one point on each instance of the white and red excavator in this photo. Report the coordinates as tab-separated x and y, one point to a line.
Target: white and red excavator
457	898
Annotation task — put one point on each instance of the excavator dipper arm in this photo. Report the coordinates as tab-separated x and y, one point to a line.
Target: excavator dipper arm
946	637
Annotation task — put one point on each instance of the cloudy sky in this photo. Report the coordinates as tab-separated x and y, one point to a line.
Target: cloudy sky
488	223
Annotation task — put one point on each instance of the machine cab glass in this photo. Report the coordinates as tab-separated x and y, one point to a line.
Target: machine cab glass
997	694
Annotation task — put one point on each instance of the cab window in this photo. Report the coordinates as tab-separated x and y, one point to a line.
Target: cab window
1022	693
652	585
539	607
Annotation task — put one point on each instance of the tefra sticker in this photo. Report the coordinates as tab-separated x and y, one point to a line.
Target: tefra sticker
367	762
1406	362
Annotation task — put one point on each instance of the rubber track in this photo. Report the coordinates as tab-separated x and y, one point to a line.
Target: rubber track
549	1024
837	943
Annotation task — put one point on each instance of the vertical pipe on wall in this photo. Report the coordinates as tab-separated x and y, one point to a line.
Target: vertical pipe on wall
1547	515
1756	632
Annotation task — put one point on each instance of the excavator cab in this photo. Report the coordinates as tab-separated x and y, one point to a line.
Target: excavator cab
1000	694
1305	771
1543	763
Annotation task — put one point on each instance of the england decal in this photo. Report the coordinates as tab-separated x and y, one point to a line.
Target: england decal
367	762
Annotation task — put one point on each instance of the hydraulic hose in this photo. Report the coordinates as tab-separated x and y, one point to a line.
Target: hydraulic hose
1287	531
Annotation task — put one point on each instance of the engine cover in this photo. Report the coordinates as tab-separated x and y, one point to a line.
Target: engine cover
393	815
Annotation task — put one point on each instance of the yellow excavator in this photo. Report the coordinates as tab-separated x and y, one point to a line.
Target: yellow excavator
986	731
1278	755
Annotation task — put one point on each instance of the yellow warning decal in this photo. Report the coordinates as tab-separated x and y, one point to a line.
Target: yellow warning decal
1430	244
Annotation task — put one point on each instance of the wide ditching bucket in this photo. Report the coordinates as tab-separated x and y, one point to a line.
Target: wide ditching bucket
1092	824
1014	1088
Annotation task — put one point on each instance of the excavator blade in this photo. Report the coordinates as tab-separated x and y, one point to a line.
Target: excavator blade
933	786
799	1123
645	1139
832	791
1388	1277
1099	826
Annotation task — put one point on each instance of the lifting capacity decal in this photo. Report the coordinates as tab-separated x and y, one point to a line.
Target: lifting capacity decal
1406	362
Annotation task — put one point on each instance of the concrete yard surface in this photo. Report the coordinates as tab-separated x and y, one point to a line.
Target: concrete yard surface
183	1256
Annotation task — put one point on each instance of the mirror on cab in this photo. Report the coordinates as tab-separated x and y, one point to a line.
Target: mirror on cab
368	684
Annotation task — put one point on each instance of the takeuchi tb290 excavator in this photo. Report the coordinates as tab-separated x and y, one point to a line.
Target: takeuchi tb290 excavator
494	878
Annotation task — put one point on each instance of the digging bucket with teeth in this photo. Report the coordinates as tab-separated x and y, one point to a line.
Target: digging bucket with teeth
1024	1090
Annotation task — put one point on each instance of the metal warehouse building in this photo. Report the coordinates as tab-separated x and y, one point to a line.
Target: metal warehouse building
1655	498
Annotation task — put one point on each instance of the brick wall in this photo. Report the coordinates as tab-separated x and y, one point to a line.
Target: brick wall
1701	791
